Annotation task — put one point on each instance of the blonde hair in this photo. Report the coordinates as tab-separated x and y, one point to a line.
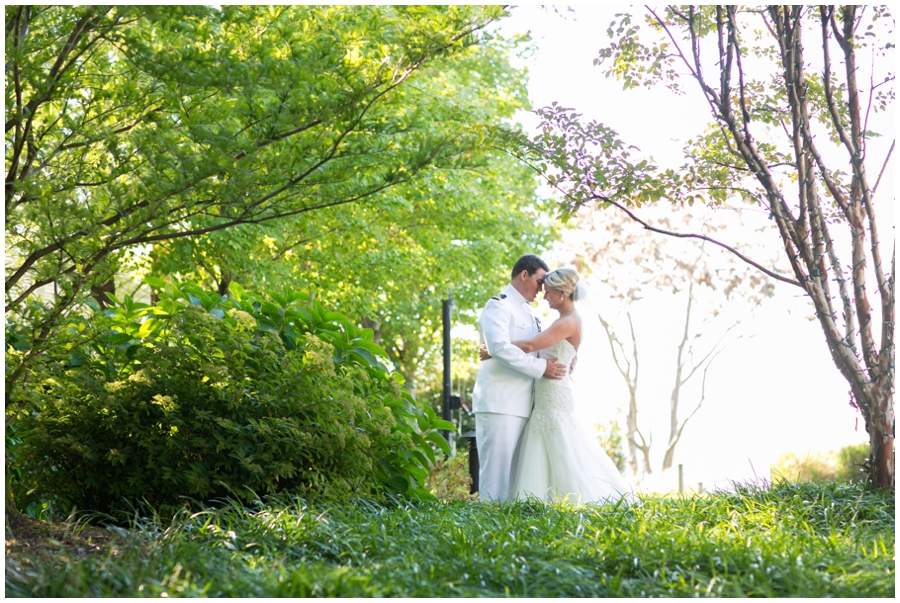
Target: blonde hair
563	279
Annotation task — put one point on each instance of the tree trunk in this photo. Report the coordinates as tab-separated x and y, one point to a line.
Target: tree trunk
98	292
633	431
880	427
222	287
631	426
881	445
375	325
669	458
630	371
679	369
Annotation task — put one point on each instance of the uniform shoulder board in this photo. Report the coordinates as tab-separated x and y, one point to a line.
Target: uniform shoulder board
499	296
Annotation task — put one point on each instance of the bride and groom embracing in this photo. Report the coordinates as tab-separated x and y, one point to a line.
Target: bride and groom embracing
530	442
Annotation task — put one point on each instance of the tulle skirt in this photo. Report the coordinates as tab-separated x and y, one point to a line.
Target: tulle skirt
557	459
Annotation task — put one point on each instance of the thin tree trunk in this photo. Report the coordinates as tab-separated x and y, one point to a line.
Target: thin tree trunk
679	370
99	291
630	371
222	286
375	325
631	429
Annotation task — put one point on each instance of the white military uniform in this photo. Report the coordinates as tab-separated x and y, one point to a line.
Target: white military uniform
502	398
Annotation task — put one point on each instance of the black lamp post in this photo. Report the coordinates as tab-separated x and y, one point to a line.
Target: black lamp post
448	380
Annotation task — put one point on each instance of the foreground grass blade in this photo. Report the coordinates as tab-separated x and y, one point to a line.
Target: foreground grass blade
788	540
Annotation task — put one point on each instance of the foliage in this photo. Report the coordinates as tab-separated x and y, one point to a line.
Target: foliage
200	396
612	440
130	126
807	540
456	226
819	466
847	464
854	461
463	369
791	108
450	481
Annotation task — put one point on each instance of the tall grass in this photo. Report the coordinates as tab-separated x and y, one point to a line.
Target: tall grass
788	540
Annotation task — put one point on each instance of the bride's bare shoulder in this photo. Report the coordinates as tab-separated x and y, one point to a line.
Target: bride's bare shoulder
571	321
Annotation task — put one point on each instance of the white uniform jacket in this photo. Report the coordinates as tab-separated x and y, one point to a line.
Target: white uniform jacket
504	383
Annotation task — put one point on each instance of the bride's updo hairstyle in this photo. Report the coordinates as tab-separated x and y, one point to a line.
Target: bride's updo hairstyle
563	279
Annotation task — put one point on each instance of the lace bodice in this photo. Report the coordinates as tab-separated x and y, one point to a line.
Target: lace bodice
553	399
563	351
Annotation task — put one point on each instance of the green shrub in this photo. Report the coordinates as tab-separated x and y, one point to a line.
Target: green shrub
853	461
450	481
612	441
847	464
200	397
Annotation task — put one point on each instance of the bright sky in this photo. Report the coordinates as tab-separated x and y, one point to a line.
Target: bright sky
775	390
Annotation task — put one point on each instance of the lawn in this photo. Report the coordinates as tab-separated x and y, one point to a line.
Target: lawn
784	540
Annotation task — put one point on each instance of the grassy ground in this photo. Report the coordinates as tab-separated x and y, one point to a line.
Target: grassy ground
787	540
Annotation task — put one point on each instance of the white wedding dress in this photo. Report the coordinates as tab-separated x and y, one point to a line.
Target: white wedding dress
557	458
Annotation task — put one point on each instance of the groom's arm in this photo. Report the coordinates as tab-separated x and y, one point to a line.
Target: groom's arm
494	324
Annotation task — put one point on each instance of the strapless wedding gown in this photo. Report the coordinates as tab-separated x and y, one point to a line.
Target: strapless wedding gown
557	457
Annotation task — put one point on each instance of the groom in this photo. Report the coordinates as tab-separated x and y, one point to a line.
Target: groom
502	396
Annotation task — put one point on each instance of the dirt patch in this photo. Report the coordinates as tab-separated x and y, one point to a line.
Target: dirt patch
30	541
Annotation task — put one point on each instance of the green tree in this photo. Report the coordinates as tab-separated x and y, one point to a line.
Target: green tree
784	89
389	262
130	126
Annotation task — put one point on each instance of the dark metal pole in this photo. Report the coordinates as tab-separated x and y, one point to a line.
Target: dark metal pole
448	384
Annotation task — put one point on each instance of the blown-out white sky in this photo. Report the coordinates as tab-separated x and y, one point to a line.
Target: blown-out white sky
773	391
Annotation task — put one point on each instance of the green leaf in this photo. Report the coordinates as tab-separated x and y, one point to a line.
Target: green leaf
442	424
237	292
439	441
398	483
118	339
156	283
375	349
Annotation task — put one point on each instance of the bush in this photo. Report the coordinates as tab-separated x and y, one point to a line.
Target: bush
847	465
201	397
853	461
450	481
612	440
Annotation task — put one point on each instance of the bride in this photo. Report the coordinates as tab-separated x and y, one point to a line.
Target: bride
556	457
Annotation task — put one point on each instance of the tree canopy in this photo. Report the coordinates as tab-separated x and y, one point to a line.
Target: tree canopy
218	142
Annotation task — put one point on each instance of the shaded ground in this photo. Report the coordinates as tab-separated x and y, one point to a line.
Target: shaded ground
30	541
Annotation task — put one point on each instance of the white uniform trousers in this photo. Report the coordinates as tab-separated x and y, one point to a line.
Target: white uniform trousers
496	436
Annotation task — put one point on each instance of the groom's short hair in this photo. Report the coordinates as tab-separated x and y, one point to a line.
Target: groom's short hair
531	263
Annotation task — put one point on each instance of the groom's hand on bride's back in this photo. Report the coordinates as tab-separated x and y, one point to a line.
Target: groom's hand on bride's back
483	353
554	369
